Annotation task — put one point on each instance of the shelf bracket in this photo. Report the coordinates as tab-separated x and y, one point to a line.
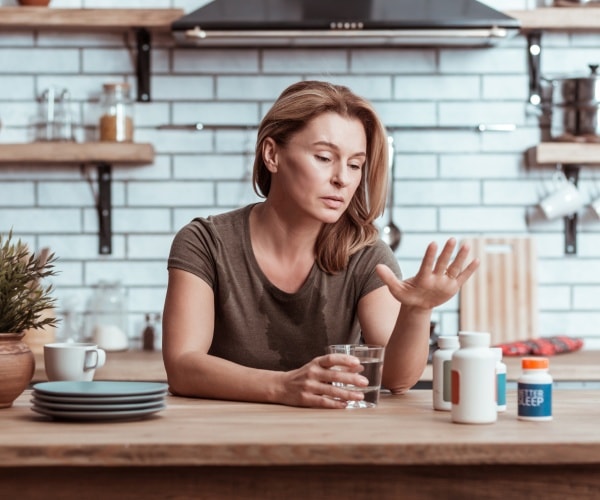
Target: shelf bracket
144	45
534	51
104	208
572	173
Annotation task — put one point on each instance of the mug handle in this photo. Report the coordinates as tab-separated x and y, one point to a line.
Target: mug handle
559	178
97	355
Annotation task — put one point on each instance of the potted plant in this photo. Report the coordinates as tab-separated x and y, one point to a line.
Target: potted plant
24	301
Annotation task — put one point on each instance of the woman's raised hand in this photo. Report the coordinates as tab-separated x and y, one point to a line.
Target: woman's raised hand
437	280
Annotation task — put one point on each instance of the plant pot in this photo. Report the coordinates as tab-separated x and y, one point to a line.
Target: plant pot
17	365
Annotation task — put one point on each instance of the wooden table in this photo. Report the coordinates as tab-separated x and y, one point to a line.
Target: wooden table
148	365
216	449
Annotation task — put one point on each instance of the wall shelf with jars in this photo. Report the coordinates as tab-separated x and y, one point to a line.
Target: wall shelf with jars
115	129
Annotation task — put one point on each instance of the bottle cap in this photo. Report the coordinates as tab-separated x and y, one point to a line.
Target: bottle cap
474	339
497	352
447	341
535	363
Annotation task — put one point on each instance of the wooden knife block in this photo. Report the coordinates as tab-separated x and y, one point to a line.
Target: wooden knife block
501	297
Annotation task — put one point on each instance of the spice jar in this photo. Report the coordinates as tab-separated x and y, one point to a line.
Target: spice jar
116	113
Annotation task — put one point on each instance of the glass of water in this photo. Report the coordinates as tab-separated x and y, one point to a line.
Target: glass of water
371	359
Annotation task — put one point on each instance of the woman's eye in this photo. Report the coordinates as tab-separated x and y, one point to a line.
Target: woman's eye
355	167
321	158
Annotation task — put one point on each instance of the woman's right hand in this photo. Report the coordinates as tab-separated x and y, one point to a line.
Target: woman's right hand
312	385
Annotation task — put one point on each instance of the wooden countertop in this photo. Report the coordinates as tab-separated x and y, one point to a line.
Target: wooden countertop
401	449
402	430
148	365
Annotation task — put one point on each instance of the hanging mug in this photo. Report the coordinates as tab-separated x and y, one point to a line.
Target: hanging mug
564	198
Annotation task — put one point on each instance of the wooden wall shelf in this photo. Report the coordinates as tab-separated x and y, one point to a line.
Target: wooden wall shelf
86	19
77	153
142	21
101	154
569	153
558	19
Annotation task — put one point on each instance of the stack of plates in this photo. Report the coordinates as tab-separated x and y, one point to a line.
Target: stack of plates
98	400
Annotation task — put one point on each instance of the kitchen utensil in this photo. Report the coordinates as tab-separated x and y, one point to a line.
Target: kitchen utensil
480	127
195	127
390	233
501	297
575	107
576	3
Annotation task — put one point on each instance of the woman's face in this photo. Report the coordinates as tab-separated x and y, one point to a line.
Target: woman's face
319	170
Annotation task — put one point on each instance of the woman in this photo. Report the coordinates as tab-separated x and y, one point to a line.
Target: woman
256	295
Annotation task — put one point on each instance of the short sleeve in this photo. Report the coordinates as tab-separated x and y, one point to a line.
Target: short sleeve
193	250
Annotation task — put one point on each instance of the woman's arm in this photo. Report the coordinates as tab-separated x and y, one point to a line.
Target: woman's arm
398	315
188	323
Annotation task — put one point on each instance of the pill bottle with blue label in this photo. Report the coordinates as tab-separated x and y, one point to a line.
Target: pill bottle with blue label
500	380
442	372
534	390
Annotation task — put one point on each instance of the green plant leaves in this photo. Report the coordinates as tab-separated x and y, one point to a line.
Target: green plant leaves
23	297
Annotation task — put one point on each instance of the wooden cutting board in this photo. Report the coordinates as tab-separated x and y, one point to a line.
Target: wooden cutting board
501	297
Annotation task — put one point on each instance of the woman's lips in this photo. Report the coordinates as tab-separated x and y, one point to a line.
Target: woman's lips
333	201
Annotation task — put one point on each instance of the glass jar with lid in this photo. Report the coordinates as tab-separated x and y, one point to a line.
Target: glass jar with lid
116	113
107	316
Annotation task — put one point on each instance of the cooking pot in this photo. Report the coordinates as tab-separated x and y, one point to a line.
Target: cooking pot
575	107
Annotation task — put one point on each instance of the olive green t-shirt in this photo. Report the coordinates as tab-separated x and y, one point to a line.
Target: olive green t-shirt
257	324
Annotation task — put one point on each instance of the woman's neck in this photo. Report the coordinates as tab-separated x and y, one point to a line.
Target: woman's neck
284	251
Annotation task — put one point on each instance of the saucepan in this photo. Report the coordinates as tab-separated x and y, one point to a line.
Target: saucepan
575	106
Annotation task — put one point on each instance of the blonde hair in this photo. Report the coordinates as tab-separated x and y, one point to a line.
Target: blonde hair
296	106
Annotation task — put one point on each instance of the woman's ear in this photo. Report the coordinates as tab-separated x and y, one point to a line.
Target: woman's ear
269	153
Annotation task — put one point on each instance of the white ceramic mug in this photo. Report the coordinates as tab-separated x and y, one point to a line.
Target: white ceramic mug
75	361
595	206
565	199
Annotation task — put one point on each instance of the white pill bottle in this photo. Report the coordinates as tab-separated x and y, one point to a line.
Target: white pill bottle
474	380
442	372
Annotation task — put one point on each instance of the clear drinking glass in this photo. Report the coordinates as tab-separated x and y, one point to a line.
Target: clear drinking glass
371	359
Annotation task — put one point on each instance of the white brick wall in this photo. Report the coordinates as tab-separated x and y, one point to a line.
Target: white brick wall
448	182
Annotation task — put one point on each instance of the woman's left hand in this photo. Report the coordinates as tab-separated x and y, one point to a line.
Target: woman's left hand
437	280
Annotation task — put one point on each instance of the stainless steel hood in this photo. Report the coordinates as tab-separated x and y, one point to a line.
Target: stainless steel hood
344	23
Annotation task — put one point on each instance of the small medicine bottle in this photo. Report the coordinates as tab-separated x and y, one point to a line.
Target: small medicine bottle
116	113
534	390
500	380
442	372
474	380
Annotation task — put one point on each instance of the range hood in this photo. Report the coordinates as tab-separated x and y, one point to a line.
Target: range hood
344	23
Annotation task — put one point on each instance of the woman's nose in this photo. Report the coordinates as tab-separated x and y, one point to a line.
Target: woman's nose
340	175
